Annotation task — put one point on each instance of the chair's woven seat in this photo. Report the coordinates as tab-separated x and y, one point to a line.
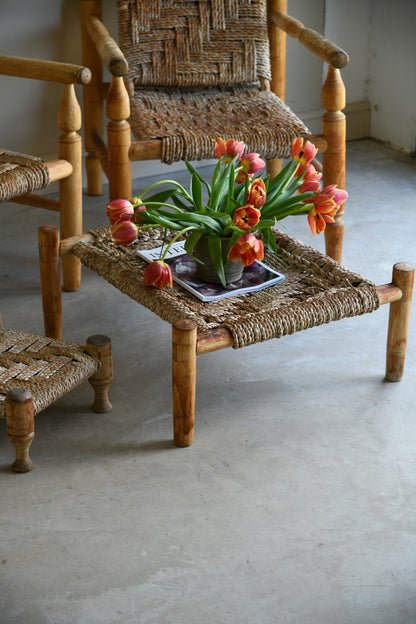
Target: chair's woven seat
48	368
188	122
316	290
21	174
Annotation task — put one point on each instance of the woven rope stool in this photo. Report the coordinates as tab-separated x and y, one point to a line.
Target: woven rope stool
36	371
316	290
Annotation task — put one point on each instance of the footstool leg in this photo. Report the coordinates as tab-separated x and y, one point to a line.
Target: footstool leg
99	347
20	417
399	319
184	334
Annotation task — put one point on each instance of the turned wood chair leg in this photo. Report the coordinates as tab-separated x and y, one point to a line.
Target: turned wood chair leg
50	278
334	131
118	139
184	335
93	99
99	347
70	188
399	320
20	416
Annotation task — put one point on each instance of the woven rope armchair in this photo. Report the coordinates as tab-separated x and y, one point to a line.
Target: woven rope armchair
185	73
22	176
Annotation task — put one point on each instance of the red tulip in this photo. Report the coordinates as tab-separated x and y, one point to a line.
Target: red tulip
138	208
248	248
119	209
230	148
124	232
158	274
246	217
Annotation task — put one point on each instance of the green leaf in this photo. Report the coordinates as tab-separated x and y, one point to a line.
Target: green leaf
270	240
215	250
190	243
196	192
195	172
161	197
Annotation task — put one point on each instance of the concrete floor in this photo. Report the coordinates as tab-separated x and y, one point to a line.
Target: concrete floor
297	502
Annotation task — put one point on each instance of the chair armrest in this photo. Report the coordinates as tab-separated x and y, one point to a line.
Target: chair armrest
311	39
38	69
111	55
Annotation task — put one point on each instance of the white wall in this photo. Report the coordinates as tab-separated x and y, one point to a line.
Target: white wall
377	34
392	72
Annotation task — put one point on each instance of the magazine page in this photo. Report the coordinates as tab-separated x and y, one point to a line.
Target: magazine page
255	277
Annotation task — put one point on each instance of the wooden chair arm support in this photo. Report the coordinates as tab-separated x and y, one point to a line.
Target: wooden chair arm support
310	39
111	55
38	69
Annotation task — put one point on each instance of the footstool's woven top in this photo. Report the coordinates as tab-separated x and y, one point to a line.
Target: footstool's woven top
316	290
48	368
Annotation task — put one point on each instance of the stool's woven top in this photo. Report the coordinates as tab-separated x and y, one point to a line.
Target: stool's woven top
20	174
48	368
316	290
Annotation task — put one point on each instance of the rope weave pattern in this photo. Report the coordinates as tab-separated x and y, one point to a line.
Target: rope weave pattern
195	66
177	43
48	368
20	174
189	122
317	290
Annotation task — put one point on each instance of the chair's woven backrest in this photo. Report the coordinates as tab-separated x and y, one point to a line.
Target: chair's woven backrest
183	43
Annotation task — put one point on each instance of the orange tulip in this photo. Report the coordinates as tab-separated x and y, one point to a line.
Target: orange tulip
338	195
248	248
323	212
246	217
251	163
303	151
124	232
158	274
119	209
257	193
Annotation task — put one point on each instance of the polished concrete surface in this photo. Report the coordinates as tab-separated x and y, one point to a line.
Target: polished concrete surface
296	503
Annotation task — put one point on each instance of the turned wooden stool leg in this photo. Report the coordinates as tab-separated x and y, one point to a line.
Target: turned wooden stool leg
50	277
184	334
399	320
20	417
100	348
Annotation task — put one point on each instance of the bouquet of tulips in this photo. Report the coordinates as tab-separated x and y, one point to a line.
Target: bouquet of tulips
237	203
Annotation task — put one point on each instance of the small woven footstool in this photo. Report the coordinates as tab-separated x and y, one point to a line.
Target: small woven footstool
316	290
36	371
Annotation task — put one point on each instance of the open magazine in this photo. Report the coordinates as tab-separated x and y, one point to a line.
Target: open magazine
255	277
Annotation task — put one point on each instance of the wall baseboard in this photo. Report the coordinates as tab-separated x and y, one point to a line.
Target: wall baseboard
358	116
